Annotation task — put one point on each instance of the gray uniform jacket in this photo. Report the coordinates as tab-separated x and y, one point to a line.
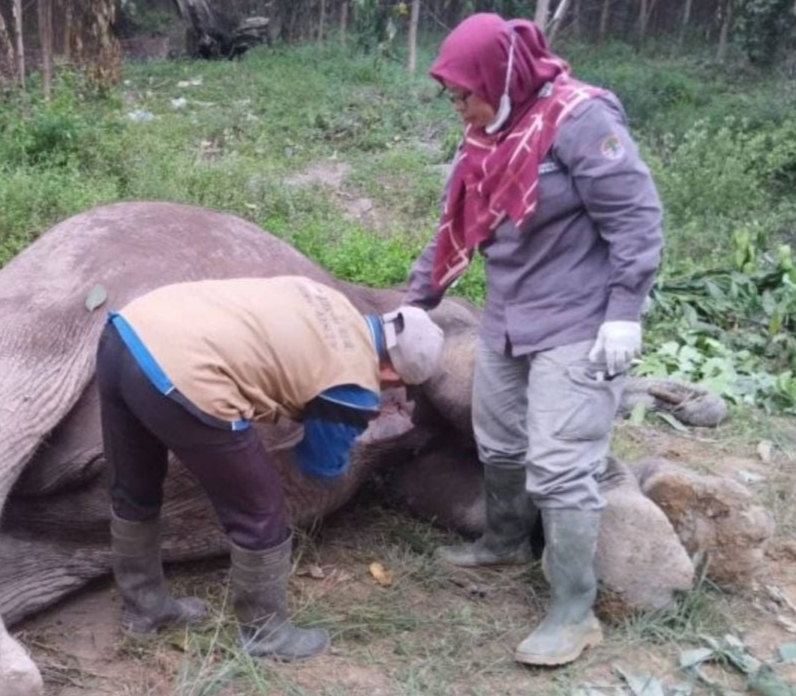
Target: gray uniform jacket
587	255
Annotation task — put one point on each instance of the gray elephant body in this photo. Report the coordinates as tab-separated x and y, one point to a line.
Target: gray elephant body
54	532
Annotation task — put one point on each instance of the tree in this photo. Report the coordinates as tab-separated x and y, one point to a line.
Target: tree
46	40
542	10
725	20
686	20
95	46
17	8
763	28
343	21
413	22
322	20
604	17
7	70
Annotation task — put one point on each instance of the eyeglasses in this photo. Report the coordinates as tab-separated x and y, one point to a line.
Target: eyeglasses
456	97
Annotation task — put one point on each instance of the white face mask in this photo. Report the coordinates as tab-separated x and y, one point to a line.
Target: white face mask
504	108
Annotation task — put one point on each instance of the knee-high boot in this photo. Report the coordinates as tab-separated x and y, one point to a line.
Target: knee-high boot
510	518
570	625
259	587
137	568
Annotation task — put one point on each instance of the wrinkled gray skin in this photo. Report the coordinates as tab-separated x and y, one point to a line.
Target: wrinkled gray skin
54	532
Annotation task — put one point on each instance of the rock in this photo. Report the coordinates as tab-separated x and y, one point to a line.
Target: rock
18	675
640	561
714	516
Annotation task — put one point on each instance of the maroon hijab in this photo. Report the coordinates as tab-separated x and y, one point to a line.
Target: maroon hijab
496	176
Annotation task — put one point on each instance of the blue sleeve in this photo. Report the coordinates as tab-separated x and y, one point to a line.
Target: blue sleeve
332	423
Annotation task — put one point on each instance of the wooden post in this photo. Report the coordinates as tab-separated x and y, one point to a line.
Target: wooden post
46	40
17	8
414	18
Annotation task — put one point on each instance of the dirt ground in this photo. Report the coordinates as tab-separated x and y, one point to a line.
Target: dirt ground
433	630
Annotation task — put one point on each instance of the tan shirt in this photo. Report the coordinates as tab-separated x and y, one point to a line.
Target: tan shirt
255	348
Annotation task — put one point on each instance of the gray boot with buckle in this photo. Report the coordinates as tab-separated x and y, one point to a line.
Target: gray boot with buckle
147	604
259	587
570	625
510	517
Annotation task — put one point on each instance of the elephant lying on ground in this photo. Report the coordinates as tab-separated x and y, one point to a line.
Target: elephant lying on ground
53	499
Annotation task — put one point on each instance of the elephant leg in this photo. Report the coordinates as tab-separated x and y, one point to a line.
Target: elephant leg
417	482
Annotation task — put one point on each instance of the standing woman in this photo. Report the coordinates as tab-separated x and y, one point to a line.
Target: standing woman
549	187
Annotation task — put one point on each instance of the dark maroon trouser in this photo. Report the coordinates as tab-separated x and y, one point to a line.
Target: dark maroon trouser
140	425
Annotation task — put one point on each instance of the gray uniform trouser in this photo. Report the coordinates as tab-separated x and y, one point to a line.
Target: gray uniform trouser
552	412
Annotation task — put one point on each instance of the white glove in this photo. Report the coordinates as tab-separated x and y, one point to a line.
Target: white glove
619	342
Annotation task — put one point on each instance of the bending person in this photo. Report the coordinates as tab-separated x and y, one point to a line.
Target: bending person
187	368
548	185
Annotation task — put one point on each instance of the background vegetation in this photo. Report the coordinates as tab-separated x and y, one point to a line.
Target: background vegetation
720	139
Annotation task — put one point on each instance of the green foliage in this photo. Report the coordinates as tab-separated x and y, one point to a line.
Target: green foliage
721	146
763	28
731	330
717	177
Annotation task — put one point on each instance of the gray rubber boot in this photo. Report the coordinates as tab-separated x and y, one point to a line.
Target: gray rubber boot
259	587
570	625
138	571
510	517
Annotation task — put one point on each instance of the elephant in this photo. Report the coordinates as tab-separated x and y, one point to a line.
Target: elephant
55	507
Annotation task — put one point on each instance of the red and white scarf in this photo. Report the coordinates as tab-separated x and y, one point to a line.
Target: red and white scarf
497	177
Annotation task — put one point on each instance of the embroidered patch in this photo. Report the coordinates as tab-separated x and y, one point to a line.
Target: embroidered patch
611	148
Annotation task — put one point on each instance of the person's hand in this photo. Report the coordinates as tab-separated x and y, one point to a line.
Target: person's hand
619	342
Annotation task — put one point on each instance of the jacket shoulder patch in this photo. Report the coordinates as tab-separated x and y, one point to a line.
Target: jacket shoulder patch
611	147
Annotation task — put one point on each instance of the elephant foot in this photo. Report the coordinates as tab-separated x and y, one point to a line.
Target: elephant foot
713	516
18	675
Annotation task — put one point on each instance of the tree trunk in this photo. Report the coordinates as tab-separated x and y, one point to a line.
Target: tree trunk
724	33
322	21
577	27
7	69
17	9
413	21
542	10
95	47
605	13
558	20
686	20
343	21
46	40
643	15
66	7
